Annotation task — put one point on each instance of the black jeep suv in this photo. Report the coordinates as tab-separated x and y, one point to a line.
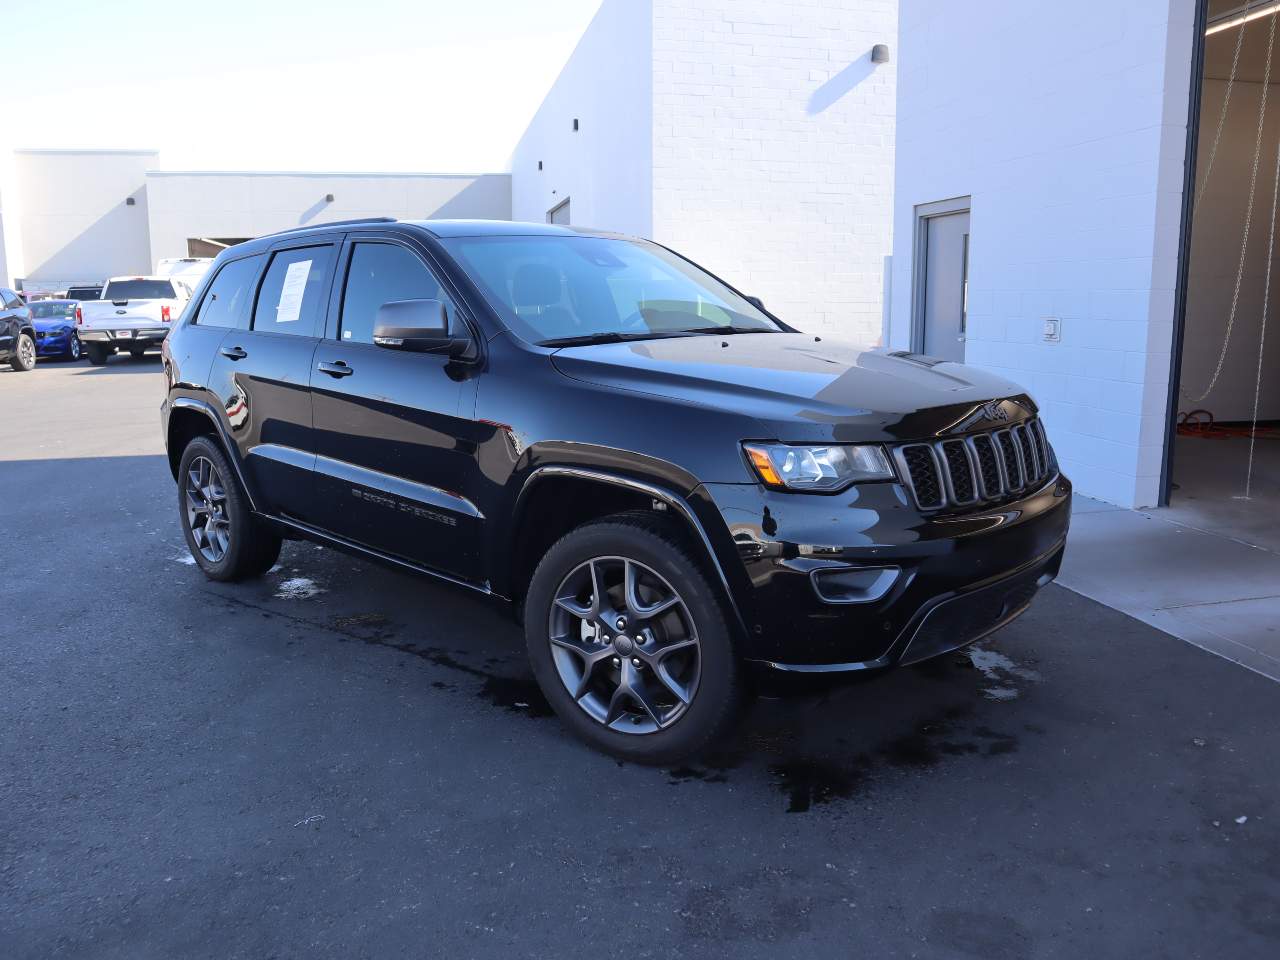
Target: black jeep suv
680	494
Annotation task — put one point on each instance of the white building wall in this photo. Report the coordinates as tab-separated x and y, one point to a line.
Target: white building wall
221	204
773	152
74	221
604	167
1066	124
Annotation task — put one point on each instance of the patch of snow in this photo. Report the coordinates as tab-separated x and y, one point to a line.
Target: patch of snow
1000	693
993	663
186	558
298	588
1241	819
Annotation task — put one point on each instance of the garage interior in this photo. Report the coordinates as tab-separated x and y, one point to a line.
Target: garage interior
1226	459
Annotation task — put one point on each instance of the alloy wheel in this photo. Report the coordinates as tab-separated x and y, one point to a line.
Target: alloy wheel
73	351
27	352
624	645
207	518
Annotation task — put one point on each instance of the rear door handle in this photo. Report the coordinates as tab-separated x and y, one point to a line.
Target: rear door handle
234	353
336	369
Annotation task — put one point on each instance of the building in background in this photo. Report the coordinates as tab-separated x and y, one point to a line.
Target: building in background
755	138
79	216
1007	189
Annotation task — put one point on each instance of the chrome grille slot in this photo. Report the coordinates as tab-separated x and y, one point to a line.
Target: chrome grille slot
922	473
981	468
1012	460
1030	468
960	481
984	451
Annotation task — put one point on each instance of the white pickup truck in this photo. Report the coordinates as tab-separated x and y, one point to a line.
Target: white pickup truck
134	314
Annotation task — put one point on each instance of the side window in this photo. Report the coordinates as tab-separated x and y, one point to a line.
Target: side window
293	293
227	302
11	299
379	273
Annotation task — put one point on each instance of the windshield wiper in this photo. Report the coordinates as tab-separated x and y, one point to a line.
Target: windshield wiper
613	337
730	329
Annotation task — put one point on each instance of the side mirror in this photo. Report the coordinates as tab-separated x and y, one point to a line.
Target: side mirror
419	326
756	302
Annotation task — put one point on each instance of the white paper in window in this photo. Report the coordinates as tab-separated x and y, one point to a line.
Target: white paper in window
295	283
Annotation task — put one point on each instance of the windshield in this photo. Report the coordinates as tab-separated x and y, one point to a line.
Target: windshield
43	310
556	289
138	290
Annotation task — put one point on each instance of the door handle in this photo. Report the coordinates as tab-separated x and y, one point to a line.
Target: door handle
336	369
234	353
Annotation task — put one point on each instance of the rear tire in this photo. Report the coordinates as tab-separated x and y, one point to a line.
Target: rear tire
97	353
668	687
137	352
24	354
226	540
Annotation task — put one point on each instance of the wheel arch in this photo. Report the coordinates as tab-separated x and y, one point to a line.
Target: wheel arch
190	418
555	499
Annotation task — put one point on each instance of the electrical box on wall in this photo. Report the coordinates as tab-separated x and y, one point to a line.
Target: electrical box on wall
1052	329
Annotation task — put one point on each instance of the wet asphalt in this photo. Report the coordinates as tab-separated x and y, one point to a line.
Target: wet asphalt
340	760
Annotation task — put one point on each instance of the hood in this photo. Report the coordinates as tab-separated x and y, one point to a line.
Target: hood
803	388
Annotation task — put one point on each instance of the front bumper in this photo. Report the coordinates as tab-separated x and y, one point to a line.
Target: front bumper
955	577
52	344
125	337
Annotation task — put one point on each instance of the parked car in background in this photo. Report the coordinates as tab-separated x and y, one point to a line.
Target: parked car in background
55	325
134	314
190	270
17	335
683	498
85	292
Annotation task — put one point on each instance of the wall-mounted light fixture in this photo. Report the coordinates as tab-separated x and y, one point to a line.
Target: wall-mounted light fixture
575	124
539	164
880	53
129	201
328	198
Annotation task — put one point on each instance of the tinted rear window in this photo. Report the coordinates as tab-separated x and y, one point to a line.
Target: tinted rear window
52	308
139	290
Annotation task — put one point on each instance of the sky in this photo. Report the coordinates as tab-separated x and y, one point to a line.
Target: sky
362	85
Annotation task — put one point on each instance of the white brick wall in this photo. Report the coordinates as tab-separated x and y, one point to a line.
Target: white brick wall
1066	123
773	151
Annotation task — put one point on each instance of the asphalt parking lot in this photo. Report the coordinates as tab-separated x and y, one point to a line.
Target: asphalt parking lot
341	760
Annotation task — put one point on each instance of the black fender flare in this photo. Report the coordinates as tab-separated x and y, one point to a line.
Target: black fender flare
228	445
658	493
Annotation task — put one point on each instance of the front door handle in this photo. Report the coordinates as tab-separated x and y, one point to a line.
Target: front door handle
336	369
234	353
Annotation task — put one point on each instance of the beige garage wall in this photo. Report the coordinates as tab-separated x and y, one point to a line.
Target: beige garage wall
186	204
1215	256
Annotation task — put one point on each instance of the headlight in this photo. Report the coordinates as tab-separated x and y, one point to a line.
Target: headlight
826	468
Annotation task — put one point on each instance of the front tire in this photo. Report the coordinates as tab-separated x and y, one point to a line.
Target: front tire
629	643
226	540
73	349
97	353
24	355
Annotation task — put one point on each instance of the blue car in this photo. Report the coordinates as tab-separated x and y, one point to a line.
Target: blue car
55	323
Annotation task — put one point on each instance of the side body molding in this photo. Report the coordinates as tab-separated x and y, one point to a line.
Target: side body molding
671	499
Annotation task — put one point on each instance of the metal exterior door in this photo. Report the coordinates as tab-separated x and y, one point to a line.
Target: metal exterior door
946	282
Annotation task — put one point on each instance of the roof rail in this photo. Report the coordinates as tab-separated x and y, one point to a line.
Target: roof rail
330	223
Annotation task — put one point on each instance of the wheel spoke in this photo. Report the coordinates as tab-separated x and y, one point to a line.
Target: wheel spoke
633	683
638	609
681	691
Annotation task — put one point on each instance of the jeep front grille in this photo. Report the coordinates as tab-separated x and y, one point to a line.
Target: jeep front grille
977	469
